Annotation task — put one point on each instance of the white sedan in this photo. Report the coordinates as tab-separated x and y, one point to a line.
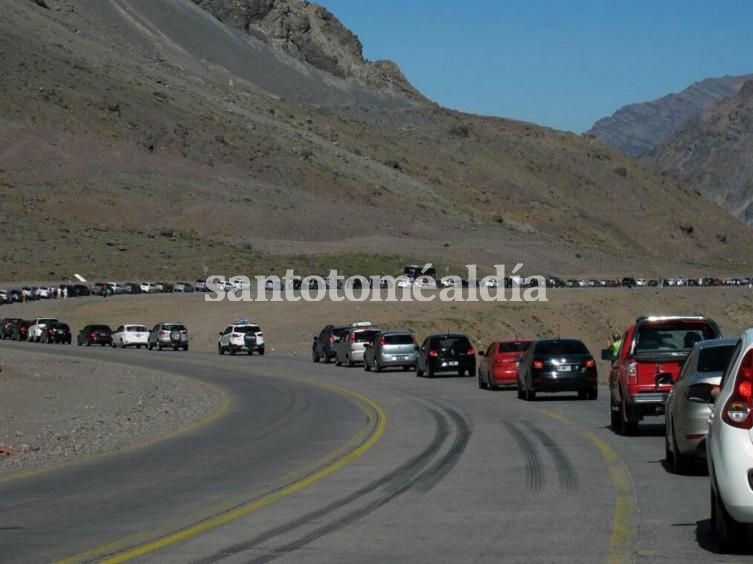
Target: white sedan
729	450
134	335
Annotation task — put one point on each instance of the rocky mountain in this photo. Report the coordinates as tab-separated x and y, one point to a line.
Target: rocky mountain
714	153
143	139
309	32
638	128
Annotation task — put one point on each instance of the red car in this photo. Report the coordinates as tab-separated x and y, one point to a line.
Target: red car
499	364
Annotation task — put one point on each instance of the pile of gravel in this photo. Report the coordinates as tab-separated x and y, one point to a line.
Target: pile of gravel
53	410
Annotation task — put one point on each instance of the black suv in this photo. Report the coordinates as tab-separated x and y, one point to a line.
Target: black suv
448	353
323	347
95	335
57	332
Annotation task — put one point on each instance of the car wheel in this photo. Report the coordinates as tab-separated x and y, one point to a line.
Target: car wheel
481	384
250	352
220	350
626	427
729	532
472	372
366	367
419	372
681	463
337	361
232	351
261	351
614	417
326	359
530	395
520	392
185	347
582	394
314	356
377	366
430	372
592	394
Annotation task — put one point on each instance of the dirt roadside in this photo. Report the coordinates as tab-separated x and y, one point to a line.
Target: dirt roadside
53	410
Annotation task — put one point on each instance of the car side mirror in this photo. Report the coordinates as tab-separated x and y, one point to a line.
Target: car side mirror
700	393
316	338
607	354
664	379
220	333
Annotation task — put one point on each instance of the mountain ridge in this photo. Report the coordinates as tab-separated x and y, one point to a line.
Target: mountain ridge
636	129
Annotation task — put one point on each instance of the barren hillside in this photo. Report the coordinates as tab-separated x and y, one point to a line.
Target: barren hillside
146	139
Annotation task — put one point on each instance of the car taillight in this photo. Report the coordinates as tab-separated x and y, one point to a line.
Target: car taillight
538	364
92	335
737	410
260	334
236	335
382	341
352	337
163	332
433	353
589	363
331	339
631	371
471	351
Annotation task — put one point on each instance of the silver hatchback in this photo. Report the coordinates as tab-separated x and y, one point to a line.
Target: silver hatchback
350	347
688	404
391	349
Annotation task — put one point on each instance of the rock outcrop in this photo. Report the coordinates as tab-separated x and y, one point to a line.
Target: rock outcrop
309	32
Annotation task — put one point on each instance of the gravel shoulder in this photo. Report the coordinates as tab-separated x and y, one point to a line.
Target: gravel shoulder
53	410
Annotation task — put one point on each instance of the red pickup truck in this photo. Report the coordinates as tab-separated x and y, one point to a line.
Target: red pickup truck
651	355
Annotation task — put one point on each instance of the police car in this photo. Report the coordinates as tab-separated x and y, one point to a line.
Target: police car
241	336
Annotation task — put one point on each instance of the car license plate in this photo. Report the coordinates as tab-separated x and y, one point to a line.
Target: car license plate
452	363
565	368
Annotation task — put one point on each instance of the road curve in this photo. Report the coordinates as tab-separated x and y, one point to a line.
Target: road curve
458	474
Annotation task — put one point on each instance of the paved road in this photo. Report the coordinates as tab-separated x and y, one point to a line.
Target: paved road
313	463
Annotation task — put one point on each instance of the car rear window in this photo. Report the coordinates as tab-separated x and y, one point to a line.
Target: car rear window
560	347
514	347
247	329
456	343
364	336
399	339
714	359
136	329
99	328
339	331
176	327
670	338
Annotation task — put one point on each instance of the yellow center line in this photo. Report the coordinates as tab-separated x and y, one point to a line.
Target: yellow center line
622	538
376	420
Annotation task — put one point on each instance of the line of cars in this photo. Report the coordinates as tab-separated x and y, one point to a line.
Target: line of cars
682	367
677	366
546	365
50	330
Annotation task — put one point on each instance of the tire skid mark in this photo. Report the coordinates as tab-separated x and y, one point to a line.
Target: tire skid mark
566	472
534	469
433	476
430	477
394	481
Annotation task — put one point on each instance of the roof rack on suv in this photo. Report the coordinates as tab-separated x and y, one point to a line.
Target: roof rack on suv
242	322
361	324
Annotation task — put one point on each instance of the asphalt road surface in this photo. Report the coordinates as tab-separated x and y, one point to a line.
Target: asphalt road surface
314	463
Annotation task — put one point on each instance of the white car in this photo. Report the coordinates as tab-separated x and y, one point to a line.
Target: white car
131	335
729	450
149	288
241	335
37	328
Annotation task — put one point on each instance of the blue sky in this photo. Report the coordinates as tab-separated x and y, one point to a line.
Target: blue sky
563	63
